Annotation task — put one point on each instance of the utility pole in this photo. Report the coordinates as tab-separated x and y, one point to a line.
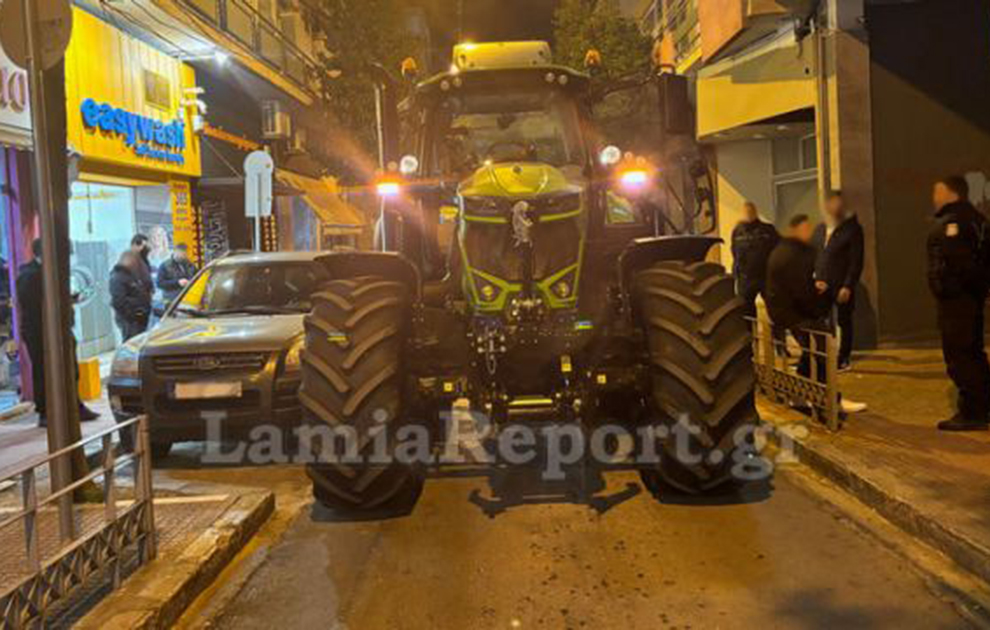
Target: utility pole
59	371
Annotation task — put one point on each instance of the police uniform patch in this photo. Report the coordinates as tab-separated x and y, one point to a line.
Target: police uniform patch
952	229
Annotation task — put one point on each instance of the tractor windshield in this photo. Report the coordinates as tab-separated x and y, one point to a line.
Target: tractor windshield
532	126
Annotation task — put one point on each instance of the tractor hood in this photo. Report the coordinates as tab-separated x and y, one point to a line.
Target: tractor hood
517	179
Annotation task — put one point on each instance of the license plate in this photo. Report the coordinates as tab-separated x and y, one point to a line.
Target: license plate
203	390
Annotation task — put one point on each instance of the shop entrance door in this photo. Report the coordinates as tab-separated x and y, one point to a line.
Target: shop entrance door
101	225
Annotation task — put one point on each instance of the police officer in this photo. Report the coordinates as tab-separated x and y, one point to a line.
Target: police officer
957	274
752	242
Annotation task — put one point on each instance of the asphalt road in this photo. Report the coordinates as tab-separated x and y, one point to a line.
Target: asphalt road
470	558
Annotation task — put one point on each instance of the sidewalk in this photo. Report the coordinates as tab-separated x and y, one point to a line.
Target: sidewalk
201	527
934	485
21	439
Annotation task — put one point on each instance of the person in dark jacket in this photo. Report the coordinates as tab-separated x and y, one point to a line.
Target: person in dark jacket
175	273
130	295
30	296
793	301
141	246
958	258
30	305
752	242
839	242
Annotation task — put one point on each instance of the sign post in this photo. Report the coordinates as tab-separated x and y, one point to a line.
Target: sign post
36	33
259	169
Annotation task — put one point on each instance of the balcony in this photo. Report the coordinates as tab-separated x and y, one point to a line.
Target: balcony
682	33
277	39
727	26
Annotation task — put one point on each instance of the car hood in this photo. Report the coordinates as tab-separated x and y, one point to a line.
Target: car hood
225	334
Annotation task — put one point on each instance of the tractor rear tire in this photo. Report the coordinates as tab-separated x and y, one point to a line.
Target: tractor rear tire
352	382
702	382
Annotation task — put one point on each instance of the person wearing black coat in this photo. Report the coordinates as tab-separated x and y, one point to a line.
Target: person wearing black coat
958	274
30	296
752	242
30	289
130	294
840	246
175	273
793	301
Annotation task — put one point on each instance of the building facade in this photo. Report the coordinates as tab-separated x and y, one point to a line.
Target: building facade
878	99
135	155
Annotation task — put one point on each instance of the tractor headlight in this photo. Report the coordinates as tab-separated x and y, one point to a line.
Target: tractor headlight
562	289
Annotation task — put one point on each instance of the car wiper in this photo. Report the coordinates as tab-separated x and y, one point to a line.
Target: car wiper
192	312
254	310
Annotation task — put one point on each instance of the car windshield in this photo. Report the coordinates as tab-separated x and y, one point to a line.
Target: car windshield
537	126
255	288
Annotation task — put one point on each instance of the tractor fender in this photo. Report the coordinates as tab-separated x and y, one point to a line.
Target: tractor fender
390	265
644	252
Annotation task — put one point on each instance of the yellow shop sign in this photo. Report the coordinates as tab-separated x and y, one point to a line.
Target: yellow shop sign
125	102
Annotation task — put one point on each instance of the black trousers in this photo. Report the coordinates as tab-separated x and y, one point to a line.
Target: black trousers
961	321
131	327
36	352
749	295
805	335
844	321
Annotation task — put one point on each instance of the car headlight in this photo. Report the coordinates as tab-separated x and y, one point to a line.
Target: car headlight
126	361
292	357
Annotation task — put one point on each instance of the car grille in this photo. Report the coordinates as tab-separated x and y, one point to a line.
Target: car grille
203	364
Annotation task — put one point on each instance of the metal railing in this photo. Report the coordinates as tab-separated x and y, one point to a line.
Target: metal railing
242	20
782	381
51	572
683	28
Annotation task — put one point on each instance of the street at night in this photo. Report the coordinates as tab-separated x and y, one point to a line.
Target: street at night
482	314
778	555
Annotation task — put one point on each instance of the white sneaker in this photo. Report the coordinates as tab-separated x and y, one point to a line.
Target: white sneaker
851	406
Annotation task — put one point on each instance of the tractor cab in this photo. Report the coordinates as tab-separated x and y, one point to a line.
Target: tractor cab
517	181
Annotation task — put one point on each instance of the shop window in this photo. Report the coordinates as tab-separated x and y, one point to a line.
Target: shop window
157	90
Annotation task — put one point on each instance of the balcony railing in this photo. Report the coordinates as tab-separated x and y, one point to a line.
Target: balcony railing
683	28
241	20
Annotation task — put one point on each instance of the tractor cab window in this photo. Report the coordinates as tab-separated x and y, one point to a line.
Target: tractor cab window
534	126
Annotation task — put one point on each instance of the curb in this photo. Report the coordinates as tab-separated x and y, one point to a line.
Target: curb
157	594
968	554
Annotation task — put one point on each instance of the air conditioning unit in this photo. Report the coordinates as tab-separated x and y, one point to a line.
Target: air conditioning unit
276	124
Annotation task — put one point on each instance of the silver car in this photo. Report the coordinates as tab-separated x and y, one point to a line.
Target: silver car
225	355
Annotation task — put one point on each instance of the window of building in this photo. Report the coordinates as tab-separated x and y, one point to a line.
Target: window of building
795	177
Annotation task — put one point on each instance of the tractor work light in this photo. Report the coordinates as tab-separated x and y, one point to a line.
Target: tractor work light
634	179
388	188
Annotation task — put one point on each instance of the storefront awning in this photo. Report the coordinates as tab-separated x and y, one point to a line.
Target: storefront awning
776	79
323	196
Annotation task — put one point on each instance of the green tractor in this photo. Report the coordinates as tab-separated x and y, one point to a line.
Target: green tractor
524	270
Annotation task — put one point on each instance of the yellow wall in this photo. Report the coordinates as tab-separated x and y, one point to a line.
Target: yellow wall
778	81
108	66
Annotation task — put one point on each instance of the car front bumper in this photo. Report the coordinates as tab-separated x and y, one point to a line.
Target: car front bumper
266	401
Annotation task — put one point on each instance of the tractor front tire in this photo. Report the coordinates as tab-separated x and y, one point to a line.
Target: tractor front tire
702	382
352	383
